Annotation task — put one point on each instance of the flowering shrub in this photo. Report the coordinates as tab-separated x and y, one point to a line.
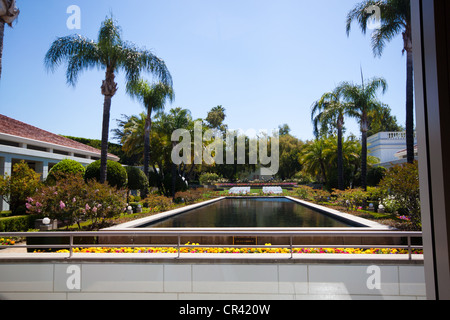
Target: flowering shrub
157	203
402	183
352	199
191	195
72	200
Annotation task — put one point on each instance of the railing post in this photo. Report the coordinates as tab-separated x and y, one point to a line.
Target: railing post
292	250
409	248
71	246
178	246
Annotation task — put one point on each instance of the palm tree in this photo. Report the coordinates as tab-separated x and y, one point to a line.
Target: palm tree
314	158
395	18
109	53
8	13
130	133
153	97
328	112
361	100
177	118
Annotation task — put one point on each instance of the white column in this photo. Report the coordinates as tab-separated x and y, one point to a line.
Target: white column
5	168
44	170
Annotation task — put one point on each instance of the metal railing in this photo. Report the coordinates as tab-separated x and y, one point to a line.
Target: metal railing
192	233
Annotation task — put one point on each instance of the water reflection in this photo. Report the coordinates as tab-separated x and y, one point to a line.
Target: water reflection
250	212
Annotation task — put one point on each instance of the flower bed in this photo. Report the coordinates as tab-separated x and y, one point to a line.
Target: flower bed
270	250
7	242
256	184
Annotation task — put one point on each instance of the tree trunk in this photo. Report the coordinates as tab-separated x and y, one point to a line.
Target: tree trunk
409	107
340	158
364	159
174	176
105	132
148	123
2	33
109	89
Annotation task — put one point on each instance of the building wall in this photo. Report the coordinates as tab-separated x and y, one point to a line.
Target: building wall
384	146
40	161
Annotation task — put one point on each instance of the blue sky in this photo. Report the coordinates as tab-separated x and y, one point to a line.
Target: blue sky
265	61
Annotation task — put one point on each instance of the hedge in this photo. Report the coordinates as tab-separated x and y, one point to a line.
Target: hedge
17	223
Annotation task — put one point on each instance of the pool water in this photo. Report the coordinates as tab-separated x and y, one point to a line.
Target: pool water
251	213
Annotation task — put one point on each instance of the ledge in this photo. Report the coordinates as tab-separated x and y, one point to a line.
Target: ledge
211	258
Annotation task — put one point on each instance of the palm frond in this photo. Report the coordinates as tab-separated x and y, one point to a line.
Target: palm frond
109	34
395	17
134	60
79	52
153	97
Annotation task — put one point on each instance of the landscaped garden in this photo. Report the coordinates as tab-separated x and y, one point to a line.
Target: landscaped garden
330	170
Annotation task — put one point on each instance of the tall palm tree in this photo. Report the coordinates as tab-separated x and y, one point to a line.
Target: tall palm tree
362	99
395	19
329	111
109	53
8	13
153	97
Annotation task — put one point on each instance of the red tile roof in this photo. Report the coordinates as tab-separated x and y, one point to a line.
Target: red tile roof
17	128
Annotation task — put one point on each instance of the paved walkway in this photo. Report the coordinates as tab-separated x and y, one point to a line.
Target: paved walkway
13	249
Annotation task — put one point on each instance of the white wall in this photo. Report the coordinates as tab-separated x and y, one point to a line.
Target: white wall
220	280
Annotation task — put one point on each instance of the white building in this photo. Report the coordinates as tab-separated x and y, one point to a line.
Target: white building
39	148
389	147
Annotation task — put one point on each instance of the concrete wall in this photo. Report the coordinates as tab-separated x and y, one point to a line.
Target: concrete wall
220	279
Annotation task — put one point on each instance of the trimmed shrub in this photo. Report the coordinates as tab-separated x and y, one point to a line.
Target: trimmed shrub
116	175
137	179
63	168
16	224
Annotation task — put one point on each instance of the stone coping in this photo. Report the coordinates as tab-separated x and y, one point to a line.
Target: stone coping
208	258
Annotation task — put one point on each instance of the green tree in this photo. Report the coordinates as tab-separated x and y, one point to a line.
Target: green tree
395	19
290	147
130	132
381	120
177	118
361	100
314	158
16	188
109	53
216	117
153	97
8	13
328	112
